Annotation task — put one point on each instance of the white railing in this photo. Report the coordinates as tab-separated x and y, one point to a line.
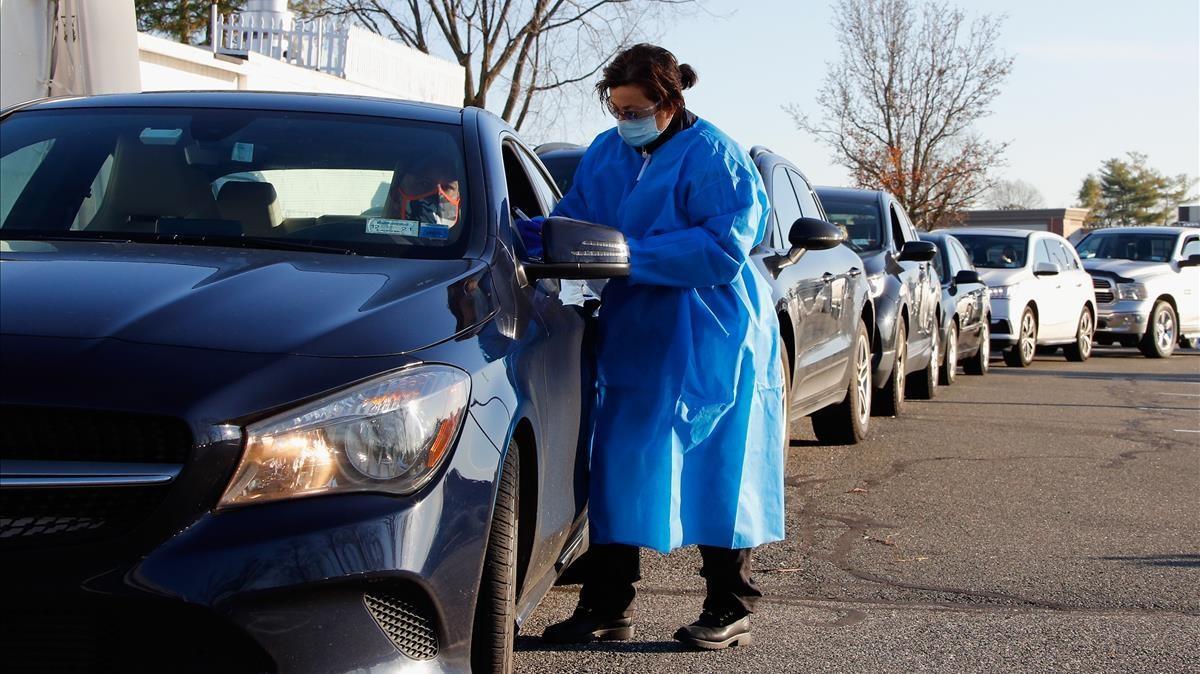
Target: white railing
312	43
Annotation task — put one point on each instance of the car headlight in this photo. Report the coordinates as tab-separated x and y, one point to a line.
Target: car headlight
386	435
999	292
1131	291
875	283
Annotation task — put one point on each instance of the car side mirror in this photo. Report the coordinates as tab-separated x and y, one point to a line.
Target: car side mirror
574	249
1190	261
1046	269
918	251
965	276
806	234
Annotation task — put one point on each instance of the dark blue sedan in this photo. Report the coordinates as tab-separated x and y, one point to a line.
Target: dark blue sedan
279	392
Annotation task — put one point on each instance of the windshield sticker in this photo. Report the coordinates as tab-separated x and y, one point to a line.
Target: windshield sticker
150	136
393	227
243	152
440	232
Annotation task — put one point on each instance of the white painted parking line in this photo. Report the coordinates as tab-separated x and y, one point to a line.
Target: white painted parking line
1186	395
1184	430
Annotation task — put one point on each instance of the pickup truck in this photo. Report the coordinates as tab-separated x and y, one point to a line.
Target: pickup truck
1147	282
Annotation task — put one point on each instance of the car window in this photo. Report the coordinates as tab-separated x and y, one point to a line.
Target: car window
939	260
804	194
964	259
1063	253
207	176
1191	247
1139	246
16	168
539	179
783	201
860	219
1042	253
995	251
899	234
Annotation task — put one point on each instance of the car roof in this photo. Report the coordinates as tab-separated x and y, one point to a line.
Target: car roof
261	100
995	231
848	193
559	146
1150	229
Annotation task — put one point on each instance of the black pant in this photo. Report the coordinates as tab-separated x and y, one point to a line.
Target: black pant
610	571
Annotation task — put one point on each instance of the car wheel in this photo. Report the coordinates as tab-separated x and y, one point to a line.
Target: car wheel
496	608
924	386
1081	349
1021	353
949	371
889	400
981	361
846	423
1159	340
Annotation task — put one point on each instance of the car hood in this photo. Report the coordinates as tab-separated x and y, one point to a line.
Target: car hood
1132	269
1003	277
236	299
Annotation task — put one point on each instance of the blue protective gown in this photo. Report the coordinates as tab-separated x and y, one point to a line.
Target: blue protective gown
688	446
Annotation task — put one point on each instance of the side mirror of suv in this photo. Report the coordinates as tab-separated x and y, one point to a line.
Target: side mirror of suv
918	251
965	276
1190	261
573	249
806	234
1046	269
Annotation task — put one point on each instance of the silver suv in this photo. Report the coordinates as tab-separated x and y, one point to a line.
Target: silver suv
1147	282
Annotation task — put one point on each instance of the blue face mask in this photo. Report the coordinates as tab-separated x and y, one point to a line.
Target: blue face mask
638	132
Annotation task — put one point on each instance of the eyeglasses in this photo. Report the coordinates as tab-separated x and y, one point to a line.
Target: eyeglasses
630	115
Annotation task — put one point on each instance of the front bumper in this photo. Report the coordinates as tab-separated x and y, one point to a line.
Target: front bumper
1126	317
1002	329
352	582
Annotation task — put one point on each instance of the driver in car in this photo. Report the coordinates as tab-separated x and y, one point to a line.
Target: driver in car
425	191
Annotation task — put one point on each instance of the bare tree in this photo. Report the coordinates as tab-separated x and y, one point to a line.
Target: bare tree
1013	195
899	106
519	50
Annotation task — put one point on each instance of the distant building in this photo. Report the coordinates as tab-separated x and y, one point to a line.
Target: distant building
1061	221
1189	214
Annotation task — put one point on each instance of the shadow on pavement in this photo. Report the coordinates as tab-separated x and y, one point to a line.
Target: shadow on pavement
1178	561
535	644
1137	376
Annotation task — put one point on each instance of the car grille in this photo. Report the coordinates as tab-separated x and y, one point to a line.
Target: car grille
53	516
1104	290
406	619
56	434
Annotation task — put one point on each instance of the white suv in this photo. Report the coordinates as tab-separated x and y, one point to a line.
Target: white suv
1147	282
1041	295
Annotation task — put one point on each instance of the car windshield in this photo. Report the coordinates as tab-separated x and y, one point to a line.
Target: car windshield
860	219
249	178
1139	246
995	251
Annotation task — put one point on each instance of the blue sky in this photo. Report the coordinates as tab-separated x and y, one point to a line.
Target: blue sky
1091	80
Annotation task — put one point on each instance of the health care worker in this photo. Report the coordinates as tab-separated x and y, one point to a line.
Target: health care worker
688	440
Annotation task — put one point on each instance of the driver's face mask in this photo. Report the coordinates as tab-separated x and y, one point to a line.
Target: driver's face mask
439	205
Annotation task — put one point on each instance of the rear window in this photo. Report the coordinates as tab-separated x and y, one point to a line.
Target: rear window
337	182
995	251
860	219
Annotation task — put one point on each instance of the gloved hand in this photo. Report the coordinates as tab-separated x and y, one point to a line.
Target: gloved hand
531	234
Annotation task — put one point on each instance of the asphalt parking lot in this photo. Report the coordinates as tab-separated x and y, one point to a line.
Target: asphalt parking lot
1045	519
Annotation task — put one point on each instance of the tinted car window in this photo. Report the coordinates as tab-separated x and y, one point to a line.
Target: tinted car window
370	185
1128	246
804	193
995	251
861	221
963	258
787	209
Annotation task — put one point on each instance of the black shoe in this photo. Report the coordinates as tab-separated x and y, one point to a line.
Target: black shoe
714	631
589	625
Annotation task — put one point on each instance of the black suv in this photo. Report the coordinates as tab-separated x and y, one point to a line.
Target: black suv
904	286
820	294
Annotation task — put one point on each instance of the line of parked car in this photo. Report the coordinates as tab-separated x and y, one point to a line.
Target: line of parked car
282	389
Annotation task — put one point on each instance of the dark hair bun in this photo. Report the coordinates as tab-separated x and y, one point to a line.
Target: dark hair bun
687	76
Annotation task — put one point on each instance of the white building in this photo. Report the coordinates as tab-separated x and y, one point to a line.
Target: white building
81	51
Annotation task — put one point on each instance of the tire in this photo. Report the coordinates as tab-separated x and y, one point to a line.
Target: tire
889	400
847	422
949	369
1162	332
924	386
496	608
980	363
1081	349
1021	354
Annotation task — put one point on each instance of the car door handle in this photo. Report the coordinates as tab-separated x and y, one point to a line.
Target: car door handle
827	277
854	272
